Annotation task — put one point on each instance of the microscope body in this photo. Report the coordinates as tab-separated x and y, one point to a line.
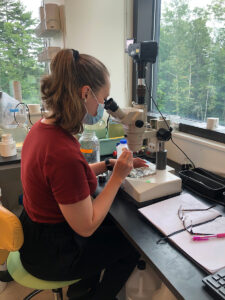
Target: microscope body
137	129
162	182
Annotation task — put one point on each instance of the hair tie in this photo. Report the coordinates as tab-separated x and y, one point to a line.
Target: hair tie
75	54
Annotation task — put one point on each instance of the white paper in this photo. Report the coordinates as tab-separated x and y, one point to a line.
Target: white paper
164	215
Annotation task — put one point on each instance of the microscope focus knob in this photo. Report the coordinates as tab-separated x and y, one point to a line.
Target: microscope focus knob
163	134
139	123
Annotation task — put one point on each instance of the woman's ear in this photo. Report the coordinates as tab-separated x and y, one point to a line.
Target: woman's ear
84	91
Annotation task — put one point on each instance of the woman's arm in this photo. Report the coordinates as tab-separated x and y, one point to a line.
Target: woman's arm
100	167
86	215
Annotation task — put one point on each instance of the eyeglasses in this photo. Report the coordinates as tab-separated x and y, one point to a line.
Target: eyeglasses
187	222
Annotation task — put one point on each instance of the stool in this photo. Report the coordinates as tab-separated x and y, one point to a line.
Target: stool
11	240
20	275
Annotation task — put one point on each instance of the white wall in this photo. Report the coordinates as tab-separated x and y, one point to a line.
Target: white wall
100	28
204	153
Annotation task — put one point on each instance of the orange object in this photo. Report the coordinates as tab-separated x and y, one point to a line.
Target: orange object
11	233
86	150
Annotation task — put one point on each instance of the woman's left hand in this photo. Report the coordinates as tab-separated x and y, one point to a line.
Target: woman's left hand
138	162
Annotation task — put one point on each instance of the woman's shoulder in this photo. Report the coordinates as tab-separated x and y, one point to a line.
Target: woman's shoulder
52	140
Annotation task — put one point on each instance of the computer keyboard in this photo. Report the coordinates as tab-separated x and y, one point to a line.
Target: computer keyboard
216	283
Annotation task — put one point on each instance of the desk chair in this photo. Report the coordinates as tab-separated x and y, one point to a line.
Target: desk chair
11	240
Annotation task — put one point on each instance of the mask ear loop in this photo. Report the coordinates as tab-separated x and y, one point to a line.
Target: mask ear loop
95	96
86	111
85	101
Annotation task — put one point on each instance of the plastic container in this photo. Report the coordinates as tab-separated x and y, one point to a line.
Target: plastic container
99	128
203	183
115	129
142	283
7	146
90	146
163	293
18	133
108	146
121	146
7	103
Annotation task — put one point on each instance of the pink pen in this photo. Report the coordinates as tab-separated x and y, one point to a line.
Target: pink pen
207	237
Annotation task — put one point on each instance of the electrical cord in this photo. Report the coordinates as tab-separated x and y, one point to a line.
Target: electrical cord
169	128
107	125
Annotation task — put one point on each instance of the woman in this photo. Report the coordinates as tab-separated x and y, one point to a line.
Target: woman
67	234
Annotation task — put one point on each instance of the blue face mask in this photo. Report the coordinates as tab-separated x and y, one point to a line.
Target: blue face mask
90	120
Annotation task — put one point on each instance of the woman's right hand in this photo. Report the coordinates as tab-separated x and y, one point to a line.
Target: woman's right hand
123	165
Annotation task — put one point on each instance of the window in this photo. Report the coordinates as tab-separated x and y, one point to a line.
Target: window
19	47
191	61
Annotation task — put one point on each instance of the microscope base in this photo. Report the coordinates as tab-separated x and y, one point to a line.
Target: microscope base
161	184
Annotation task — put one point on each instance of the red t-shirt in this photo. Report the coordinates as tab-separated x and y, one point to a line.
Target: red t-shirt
53	170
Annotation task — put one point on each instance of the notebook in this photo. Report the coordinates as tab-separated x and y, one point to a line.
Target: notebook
210	254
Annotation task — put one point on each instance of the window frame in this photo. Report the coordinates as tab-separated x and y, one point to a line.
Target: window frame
145	30
146	27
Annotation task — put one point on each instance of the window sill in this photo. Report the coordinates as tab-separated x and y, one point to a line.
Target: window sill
199	140
203	152
198	129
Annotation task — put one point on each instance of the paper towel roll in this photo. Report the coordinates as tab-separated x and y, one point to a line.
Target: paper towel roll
34	108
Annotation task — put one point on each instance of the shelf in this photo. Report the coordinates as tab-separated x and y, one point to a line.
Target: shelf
50	23
48	53
46	32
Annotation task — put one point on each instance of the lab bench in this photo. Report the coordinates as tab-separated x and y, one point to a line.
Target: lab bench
182	276
6	161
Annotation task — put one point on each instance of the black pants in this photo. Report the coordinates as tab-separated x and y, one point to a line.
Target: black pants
56	252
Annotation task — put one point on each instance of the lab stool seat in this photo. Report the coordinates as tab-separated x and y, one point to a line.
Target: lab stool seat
21	276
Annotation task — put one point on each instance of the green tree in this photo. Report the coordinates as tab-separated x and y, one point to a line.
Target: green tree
217	9
191	60
18	50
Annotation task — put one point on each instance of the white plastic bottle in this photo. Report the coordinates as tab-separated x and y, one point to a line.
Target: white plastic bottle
163	293
121	146
142	283
7	146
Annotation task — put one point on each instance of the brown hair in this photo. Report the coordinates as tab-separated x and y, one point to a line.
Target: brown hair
61	90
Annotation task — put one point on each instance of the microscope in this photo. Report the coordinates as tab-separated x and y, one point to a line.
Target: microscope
162	182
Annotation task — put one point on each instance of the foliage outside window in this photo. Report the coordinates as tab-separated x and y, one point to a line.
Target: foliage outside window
18	51
191	76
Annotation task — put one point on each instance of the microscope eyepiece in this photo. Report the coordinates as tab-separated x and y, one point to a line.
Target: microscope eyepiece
110	104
